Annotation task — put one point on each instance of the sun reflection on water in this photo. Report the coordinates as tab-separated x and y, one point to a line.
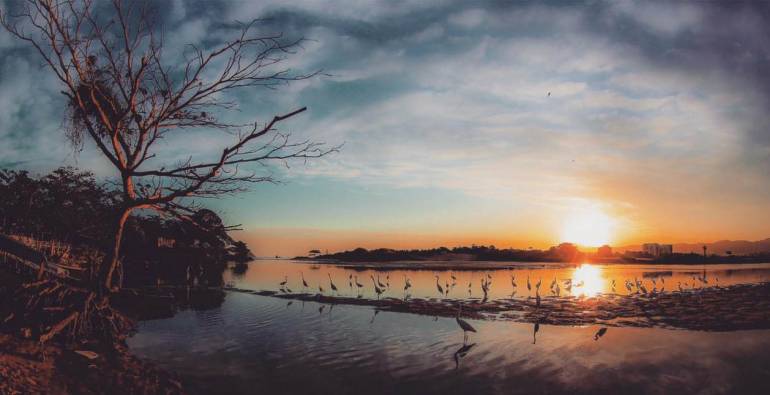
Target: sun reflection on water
587	280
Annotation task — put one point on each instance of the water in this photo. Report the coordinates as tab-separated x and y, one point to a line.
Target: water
254	343
595	279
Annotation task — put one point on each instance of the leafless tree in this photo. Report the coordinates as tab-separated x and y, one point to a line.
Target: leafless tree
123	97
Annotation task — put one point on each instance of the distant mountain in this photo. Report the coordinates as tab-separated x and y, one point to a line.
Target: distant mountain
738	247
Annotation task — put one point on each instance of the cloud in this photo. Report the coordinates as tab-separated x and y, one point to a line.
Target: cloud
649	103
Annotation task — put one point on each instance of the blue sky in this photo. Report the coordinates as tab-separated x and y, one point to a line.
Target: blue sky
656	119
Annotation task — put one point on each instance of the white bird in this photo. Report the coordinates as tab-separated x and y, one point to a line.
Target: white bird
376	288
438	286
464	325
285	280
334	287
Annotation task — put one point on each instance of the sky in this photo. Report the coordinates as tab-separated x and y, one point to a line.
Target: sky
655	129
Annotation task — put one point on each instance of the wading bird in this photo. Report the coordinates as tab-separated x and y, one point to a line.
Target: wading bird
613	285
304	283
380	282
537	286
331	283
534	332
407	283
438	287
377	289
464	325
320	288
529	285
359	285
285	280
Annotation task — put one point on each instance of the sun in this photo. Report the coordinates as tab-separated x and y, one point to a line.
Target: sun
587	226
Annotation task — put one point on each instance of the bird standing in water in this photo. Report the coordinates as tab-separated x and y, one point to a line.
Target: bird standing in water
438	287
334	287
464	325
377	289
304	283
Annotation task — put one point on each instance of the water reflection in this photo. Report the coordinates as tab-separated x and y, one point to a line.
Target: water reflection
556	280
304	352
587	280
461	353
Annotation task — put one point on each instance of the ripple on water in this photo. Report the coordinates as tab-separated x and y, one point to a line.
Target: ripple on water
258	342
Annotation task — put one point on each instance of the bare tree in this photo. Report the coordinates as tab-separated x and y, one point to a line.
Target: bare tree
124	98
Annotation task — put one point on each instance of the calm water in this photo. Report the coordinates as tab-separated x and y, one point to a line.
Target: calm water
595	279
254	344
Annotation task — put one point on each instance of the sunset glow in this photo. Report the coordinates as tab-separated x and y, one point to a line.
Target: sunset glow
589	227
587	280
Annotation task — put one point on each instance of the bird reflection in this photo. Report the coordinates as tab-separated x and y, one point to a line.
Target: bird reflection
373	316
462	352
600	333
289	304
321	309
534	332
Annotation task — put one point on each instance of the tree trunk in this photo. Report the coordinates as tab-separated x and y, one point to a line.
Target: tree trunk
112	260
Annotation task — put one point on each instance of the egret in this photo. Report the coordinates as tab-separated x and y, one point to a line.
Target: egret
377	289
304	283
407	283
613	285
464	325
379	282
529	285
285	280
331	283
438	286
534	332
359	285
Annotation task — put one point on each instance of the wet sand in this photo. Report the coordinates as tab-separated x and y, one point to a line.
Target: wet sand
738	307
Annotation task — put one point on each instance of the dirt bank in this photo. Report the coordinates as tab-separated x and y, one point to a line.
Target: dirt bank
27	367
711	309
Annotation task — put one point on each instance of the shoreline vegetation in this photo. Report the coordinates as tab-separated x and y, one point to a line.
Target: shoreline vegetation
53	237
460	258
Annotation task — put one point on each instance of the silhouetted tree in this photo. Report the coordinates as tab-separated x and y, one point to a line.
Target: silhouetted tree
125	98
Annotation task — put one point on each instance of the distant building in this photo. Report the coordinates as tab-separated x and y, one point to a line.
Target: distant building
604	251
657	250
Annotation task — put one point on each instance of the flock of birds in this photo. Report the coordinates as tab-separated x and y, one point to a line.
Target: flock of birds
633	287
379	287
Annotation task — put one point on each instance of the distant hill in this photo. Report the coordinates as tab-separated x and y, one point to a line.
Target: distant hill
739	247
